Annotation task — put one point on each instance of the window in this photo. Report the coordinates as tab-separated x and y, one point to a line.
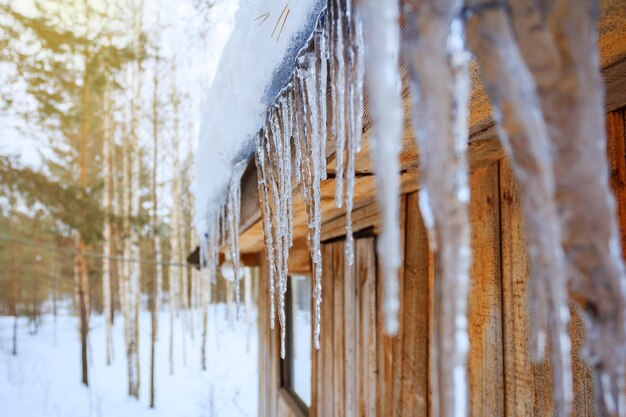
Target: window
296	368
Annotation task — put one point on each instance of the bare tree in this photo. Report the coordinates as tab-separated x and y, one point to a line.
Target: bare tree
106	231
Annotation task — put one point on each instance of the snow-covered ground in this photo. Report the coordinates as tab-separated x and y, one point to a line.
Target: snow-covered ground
44	379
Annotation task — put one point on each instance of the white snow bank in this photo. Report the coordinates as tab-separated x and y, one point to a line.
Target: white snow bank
255	64
44	379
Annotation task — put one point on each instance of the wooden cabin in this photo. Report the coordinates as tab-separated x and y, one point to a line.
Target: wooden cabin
359	371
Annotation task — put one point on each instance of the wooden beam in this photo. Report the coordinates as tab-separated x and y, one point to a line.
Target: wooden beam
484	309
246	258
299	257
250	207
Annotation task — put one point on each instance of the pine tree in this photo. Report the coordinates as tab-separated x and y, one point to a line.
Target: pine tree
66	79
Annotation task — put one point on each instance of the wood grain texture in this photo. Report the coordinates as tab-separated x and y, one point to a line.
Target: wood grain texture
518	369
485	361
616	150
316	370
264	333
366	339
414	333
338	329
390	359
361	372
528	386
326	400
350	320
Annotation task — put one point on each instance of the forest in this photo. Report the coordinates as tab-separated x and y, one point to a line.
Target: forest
99	111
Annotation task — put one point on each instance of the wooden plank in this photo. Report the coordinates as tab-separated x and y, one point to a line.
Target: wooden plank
326	400
583	405
526	382
398	359
287	405
275	364
362	218
365	213
264	332
384	357
414	331
315	367
616	150
518	368
367	343
390	360
300	257
338	329
350	338
615	80
251	210
485	362
247	258
432	380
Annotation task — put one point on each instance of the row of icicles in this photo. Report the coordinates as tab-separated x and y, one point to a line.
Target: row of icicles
541	101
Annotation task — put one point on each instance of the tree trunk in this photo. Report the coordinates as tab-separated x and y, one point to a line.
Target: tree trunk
156	286
15	297
177	296
82	298
152	348
106	252
81	274
14	351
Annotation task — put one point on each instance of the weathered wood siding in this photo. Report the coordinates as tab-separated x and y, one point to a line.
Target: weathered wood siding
361	372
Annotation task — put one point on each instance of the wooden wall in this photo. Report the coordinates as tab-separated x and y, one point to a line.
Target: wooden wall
361	372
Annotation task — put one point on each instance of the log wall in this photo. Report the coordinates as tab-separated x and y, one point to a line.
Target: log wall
361	372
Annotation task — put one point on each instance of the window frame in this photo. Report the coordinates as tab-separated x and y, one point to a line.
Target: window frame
286	365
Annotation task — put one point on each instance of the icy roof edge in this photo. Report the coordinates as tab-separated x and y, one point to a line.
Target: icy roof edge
247	154
209	200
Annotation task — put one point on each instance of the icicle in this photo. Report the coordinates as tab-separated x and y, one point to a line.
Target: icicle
338	79
267	221
355	119
313	167
213	243
284	157
293	131
279	221
382	40
322	81
233	210
438	67
524	134
300	113
274	160
569	82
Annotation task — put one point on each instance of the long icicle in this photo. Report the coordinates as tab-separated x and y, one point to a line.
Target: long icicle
524	134
233	209
274	167
267	225
438	67
313	167
338	80
382	41
355	75
567	73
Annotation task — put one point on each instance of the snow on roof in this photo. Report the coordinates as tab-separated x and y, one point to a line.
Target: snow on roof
255	65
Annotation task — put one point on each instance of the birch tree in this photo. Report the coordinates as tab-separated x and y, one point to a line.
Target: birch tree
157	282
106	231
